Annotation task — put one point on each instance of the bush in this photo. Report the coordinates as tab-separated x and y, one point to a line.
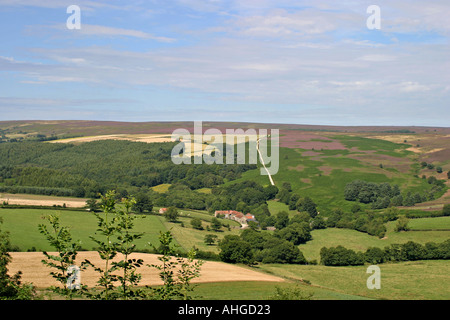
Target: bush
171	214
413	251
196	223
290	294
409	251
374	255
340	256
446	210
402	224
379	195
11	287
280	251
297	233
235	250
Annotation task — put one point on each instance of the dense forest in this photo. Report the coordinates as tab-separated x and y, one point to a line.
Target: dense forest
383	195
88	169
130	168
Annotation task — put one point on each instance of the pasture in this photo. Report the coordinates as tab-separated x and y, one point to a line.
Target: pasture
413	280
22	225
360	241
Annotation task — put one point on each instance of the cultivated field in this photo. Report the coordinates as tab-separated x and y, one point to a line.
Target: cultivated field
33	271
148	138
39	200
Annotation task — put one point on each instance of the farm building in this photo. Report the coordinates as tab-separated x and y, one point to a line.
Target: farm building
162	210
236	216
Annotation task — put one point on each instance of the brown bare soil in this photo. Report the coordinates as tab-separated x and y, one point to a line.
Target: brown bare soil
34	271
326	171
298	168
308	141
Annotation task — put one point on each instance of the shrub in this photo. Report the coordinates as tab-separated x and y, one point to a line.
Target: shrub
402	224
374	255
280	251
340	256
196	223
446	210
235	250
11	287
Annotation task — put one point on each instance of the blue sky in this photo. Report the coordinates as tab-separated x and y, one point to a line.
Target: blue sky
305	62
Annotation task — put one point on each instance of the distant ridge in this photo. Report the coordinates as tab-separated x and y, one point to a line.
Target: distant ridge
92	127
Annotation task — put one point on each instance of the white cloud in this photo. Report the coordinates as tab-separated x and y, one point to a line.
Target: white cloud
97	30
304	59
281	23
410	86
377	58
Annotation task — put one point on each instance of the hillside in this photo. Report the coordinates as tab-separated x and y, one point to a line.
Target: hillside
318	161
351	176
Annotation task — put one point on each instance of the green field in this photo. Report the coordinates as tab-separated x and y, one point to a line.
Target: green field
438	223
188	237
23	227
275	207
264	291
360	241
406	280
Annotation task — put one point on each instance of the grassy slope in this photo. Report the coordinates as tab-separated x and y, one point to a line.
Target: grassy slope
406	280
437	223
323	176
23	227
359	241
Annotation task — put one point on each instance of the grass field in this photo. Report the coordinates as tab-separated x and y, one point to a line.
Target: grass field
275	207
438	223
360	241
258	290
161	188
188	237
406	280
23	227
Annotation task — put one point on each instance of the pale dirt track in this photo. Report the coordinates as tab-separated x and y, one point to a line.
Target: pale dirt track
34	271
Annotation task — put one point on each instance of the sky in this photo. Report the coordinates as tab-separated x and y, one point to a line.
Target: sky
266	61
